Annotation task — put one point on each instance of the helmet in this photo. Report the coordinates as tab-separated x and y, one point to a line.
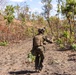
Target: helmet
41	30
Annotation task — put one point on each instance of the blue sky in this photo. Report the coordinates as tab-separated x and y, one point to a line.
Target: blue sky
35	5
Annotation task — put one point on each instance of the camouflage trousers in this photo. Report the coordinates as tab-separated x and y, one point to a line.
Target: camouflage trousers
39	53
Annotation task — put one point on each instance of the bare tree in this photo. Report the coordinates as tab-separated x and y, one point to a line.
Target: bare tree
47	6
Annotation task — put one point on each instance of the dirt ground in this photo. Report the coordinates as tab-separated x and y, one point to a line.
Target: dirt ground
14	61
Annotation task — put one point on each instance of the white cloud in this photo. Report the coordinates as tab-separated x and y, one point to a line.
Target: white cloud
54	9
54	5
40	3
36	10
30	0
17	0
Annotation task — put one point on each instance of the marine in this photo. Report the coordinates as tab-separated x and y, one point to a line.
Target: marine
39	49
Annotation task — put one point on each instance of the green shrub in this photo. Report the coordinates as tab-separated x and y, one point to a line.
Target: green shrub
73	46
47	31
59	41
30	31
4	43
31	58
9	13
65	34
9	18
71	40
61	46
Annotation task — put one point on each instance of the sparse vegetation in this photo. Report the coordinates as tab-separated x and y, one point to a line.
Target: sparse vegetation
9	13
4	43
18	26
26	23
73	46
31	58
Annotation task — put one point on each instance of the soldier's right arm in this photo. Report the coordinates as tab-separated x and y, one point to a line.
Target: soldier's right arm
47	39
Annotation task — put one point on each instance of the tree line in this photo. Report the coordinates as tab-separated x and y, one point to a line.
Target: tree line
63	30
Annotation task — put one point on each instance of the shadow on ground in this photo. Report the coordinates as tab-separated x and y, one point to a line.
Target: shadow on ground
59	74
22	72
64	49
72	57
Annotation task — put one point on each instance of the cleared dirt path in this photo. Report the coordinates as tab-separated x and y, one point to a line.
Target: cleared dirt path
13	60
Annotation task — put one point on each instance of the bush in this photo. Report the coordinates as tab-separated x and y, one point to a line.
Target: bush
31	58
59	41
29	31
71	40
9	13
61	46
73	46
65	34
4	43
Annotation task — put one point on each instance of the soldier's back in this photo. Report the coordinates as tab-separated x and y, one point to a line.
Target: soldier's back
38	40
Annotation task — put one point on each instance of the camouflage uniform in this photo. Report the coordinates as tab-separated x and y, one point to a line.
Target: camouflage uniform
38	49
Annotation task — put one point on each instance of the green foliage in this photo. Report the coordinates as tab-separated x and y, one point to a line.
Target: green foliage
68	8
58	6
9	18
47	31
61	46
4	43
71	40
59	41
22	17
31	58
73	46
65	34
47	6
9	13
23	14
30	31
